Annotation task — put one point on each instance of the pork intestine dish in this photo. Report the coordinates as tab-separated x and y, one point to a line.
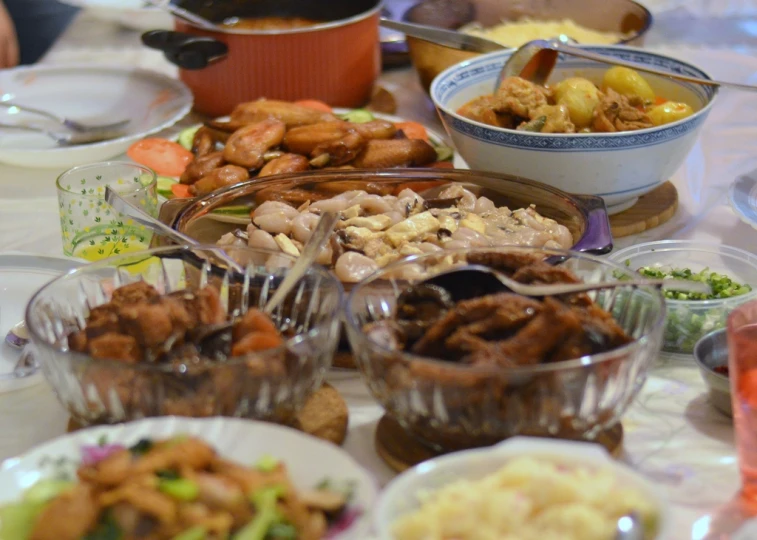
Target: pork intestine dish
624	101
376	230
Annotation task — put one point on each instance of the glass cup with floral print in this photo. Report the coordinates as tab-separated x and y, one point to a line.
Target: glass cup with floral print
90	227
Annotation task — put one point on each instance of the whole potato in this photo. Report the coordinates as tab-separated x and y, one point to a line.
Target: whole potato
580	96
627	82
669	112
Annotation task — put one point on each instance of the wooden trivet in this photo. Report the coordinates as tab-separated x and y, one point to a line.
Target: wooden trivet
324	415
650	211
400	450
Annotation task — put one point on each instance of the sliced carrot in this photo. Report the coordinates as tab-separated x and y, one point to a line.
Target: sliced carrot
659	100
418	186
442	165
165	157
181	191
413	130
314	104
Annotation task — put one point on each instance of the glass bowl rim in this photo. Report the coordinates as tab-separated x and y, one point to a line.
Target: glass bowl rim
584	361
39	340
723	250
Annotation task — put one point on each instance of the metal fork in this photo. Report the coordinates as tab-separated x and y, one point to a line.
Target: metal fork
73	125
69	139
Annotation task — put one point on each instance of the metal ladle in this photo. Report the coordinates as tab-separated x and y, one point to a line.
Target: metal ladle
536	59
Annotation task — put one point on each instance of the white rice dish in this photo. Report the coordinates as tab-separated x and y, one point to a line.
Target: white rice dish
528	499
517	33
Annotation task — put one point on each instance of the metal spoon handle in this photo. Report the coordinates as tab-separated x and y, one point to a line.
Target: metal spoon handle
32	110
448	38
576	51
571	288
26	128
181	13
310	252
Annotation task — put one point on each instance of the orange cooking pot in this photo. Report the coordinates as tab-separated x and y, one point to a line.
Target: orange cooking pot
335	60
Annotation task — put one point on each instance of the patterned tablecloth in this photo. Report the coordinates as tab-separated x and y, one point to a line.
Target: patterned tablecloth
673	435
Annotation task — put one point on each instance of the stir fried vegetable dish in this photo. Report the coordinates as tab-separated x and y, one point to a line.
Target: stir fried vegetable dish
173	489
624	101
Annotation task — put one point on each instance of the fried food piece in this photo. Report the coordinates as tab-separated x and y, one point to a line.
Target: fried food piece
382	154
519	97
112	346
287	163
70	516
542	272
192	453
375	129
256	342
341	151
228	175
246	146
335	187
102	320
254	321
294	197
208	305
304	139
133	293
202	166
289	113
111	471
508	263
482	110
205	140
615	112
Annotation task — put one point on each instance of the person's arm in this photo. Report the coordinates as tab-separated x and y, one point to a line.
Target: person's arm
9	53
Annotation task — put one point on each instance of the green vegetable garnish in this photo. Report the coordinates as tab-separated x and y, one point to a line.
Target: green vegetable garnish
142	447
266	515
181	489
234	210
282	531
187	137
17	520
443	153
46	490
722	285
267	463
107	529
195	533
358	116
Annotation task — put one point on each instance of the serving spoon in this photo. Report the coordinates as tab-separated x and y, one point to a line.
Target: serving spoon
479	280
70	139
73	125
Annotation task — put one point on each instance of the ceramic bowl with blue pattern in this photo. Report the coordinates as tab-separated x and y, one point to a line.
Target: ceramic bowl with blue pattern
620	167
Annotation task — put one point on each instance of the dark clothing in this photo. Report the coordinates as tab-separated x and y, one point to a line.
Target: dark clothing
38	24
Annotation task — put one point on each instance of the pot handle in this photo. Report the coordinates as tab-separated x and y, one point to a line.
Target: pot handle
186	50
597	238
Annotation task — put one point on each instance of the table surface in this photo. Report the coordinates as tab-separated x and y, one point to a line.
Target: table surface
672	434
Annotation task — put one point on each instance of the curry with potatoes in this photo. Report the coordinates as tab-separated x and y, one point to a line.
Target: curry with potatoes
624	101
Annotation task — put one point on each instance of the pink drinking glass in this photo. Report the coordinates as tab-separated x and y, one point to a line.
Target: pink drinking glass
742	368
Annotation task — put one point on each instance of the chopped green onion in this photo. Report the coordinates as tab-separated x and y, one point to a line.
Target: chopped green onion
195	533
181	489
358	116
267	463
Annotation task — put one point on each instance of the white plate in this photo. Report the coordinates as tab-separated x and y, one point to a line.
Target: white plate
86	93
743	197
309	460
128	13
21	275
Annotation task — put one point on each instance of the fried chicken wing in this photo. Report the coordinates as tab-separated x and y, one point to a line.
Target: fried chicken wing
304	139
615	112
217	178
380	154
287	163
341	151
291	114
246	146
206	139
202	166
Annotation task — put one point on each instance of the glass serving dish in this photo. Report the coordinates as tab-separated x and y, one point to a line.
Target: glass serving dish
269	385
450	406
690	320
585	216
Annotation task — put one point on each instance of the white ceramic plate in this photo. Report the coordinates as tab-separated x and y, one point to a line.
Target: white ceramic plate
435	137
309	460
743	197
21	275
127	13
86	93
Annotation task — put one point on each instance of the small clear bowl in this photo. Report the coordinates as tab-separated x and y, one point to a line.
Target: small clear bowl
690	320
450	406
270	385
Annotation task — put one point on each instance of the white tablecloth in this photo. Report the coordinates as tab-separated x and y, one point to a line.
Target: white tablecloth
672	433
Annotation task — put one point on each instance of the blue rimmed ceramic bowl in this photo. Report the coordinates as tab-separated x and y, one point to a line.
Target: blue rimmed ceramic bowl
619	167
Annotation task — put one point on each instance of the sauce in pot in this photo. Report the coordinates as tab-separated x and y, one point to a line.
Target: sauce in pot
268	23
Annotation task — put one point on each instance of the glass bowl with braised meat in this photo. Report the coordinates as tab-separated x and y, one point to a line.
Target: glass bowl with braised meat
183	331
460	361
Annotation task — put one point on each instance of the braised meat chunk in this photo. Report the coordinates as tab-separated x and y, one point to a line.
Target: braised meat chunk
616	112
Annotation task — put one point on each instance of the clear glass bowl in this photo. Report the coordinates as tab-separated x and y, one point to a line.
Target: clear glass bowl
270	385
690	320
450	406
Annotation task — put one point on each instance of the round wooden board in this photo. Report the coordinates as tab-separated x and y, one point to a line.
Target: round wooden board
650	211
401	451
325	415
